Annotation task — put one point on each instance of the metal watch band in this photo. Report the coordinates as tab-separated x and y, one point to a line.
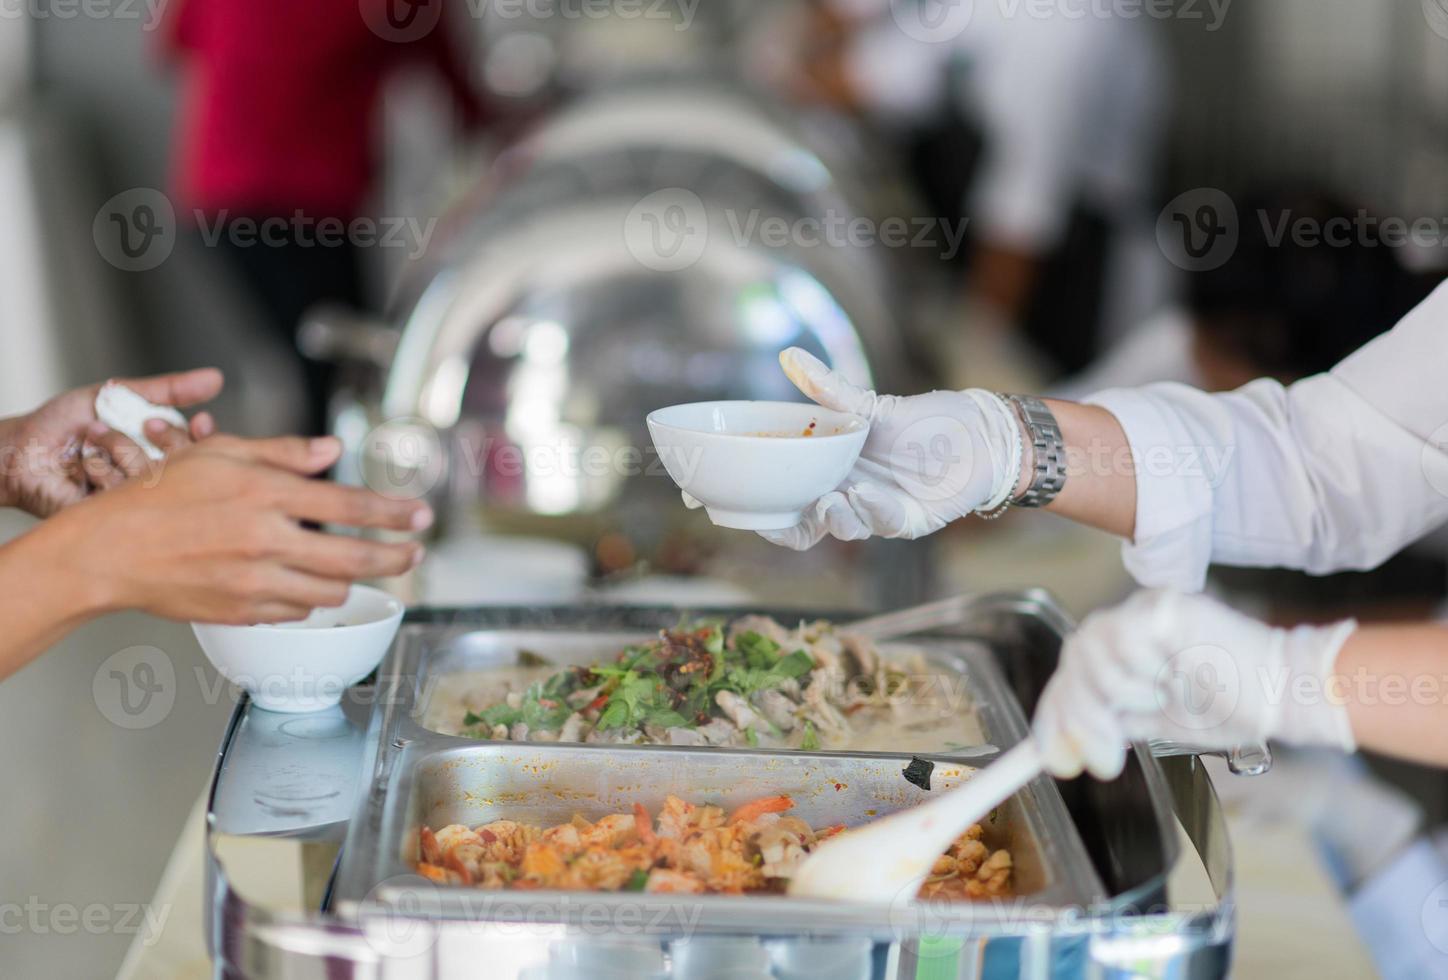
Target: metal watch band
1048	451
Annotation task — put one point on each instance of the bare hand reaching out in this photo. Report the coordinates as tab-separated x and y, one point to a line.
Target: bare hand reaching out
56	455
218	537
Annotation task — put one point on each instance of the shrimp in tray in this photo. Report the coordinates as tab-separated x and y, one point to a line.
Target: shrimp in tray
686	848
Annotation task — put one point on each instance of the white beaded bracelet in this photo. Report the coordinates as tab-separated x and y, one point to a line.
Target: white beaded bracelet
1000	500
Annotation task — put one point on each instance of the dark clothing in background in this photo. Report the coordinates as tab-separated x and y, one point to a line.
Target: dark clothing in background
288	279
1063	316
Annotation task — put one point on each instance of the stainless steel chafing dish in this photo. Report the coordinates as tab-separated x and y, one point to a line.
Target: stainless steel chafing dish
613	263
1094	858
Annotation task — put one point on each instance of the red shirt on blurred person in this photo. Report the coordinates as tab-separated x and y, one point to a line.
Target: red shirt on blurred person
279	107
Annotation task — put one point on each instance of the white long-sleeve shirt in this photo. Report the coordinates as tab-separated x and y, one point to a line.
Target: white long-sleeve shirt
1338	471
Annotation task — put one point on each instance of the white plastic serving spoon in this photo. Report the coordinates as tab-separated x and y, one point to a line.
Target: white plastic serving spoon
893	856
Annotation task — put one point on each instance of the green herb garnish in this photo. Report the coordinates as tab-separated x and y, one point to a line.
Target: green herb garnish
673	681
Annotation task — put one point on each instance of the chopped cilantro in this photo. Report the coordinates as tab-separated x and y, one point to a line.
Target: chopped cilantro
673	682
758	651
499	714
615	715
666	718
543	709
797	664
714	642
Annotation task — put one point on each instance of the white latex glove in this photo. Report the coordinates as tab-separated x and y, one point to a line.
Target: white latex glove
930	459
1167	665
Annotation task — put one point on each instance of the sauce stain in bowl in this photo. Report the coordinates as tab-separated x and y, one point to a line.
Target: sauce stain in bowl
809	430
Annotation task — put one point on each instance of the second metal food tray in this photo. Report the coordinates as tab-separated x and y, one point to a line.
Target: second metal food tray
421	776
960	676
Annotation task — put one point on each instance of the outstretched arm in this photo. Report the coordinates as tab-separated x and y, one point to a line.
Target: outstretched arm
1100	489
40	599
1338	471
1186	668
1395	681
217	537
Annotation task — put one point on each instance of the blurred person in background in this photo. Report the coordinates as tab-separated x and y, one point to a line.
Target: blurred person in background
277	124
1045	131
214	532
1286	308
1279	307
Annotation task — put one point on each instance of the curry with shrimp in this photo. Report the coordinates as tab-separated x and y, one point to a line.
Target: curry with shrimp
686	848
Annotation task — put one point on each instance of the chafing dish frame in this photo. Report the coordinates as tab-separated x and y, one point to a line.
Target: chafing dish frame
1131	927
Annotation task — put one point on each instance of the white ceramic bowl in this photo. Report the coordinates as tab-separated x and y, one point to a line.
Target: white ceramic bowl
750	463
307	665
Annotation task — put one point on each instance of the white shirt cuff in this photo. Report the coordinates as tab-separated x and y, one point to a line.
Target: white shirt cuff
1173	542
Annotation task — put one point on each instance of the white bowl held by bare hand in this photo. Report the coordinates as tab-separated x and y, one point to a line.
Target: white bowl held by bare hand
757	466
306	665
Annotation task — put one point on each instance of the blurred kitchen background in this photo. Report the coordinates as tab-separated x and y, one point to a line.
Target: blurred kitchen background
570	209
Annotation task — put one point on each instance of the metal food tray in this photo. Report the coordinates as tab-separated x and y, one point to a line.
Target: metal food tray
548	784
426	777
962	669
1092	859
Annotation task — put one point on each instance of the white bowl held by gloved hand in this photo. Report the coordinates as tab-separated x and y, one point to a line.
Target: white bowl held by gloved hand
757	466
306	665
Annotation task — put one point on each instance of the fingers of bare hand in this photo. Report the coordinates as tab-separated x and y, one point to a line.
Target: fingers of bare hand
97	468
292	453
167	438
123	454
299	588
273	612
180	390
348	559
203	426
327	503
